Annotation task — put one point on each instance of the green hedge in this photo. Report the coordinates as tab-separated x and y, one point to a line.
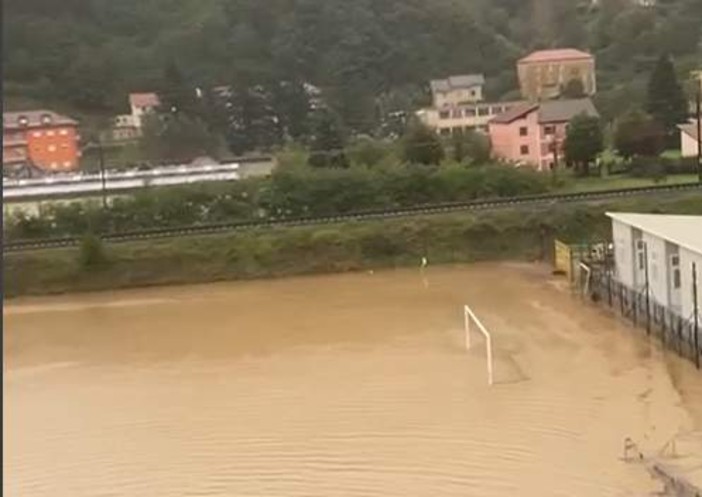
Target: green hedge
508	234
289	193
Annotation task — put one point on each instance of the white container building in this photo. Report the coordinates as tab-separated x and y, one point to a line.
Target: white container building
666	250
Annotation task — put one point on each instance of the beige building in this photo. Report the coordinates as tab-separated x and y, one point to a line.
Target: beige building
466	117
457	90
545	74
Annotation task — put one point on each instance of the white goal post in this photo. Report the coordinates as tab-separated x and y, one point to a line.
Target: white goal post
468	317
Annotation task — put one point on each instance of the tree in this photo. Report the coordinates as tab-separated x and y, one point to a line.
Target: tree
574	89
327	148
175	93
470	146
666	100
584	142
177	138
420	145
637	134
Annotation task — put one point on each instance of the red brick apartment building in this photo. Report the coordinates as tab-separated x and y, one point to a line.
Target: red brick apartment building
40	138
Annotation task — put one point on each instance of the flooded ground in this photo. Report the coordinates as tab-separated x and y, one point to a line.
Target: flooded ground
335	386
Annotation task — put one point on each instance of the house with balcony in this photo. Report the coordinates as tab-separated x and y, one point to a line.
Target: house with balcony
545	74
463	118
41	139
534	134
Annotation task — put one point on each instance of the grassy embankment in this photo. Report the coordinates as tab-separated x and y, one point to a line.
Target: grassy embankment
467	237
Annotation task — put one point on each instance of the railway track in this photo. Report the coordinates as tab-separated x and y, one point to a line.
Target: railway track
482	204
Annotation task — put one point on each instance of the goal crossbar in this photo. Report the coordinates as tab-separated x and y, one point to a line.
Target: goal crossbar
468	316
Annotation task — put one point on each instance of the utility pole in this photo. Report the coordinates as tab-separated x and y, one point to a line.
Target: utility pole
699	134
648	302
695	304
101	158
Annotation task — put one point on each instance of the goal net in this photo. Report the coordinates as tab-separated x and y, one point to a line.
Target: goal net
472	325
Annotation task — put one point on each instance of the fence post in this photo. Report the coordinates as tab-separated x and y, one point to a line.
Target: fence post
696	328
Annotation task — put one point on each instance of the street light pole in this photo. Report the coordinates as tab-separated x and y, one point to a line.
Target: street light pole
101	159
699	134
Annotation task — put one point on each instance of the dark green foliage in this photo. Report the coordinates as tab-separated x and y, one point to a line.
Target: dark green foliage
584	142
289	193
420	145
573	89
636	133
667	103
465	237
327	147
177	138
90	53
470	147
92	252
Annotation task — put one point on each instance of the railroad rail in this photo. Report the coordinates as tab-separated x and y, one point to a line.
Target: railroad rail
420	210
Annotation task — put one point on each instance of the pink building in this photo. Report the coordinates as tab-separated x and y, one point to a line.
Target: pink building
534	134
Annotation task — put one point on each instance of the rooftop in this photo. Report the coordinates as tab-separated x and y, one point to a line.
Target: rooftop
460	81
144	100
565	110
689	129
556	55
34	119
551	111
684	231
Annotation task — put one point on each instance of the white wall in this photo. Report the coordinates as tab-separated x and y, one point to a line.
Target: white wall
658	269
623	253
688	145
687	257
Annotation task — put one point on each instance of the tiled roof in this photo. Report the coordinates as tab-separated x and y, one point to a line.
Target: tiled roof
514	113
460	81
564	110
144	100
556	55
34	119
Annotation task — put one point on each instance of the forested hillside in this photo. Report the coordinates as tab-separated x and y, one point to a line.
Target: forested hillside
365	54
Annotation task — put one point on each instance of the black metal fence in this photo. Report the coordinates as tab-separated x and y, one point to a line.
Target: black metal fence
676	332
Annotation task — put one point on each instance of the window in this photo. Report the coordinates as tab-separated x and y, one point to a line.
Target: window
472	93
483	111
53	165
457	130
23	121
51	148
549	130
46	119
524	149
36	134
67	164
470	112
676	279
523	131
445	131
63	132
552	148
50	133
497	110
457	113
444	114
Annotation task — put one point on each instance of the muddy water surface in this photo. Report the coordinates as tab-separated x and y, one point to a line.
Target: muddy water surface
334	386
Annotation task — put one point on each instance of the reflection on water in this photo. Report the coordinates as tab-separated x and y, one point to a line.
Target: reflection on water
332	386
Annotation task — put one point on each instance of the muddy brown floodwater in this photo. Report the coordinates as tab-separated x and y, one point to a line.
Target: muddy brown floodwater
335	386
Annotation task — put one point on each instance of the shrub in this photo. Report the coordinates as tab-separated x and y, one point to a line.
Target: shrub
92	252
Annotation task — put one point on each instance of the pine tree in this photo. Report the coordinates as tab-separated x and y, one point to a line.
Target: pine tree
666	99
583	142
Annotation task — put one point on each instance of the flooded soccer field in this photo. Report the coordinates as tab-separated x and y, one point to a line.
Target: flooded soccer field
336	385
